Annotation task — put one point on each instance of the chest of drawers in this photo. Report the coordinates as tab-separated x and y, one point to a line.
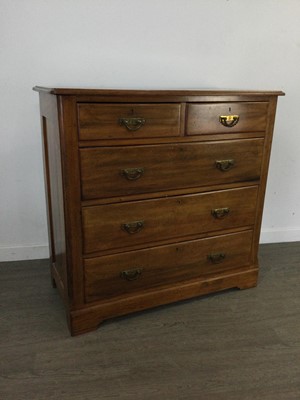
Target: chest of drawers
153	196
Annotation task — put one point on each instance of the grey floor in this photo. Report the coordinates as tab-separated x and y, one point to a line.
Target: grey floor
239	345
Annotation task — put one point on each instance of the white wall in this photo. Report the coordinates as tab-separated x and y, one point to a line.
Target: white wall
149	44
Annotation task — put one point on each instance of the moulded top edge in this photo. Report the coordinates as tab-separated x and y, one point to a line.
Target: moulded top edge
169	92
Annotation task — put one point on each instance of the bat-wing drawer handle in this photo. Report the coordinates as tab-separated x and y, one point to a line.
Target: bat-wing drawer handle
225	165
132	274
216	258
229	120
132	124
220	213
132	174
133	227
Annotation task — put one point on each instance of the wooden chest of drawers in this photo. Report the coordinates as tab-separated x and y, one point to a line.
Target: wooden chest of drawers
153	196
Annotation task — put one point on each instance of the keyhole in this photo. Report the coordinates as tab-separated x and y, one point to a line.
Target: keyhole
230	109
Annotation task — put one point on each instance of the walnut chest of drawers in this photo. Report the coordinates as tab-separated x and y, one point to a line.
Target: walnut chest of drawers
153	196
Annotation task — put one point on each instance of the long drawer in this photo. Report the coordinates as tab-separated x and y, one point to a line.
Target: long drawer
114	171
226	117
115	275
117	226
127	121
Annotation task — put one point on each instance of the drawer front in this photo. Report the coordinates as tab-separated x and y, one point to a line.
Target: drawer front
127	121
116	226
115	275
117	171
226	118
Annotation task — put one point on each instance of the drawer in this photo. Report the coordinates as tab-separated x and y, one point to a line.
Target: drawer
127	121
116	226
133	271
226	118
118	171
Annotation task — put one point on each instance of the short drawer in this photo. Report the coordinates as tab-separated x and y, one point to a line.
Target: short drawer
116	275
118	171
226	117
116	226
127	121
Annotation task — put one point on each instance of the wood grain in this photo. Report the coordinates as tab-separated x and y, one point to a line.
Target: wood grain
54	194
101	121
204	118
166	218
158	265
129	93
114	193
167	167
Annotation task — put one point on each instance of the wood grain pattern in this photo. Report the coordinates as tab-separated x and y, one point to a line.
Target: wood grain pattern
173	263
89	318
123	196
101	121
204	118
71	185
54	194
161	93
165	140
166	218
167	167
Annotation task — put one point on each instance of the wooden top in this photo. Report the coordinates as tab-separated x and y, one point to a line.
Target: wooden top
126	92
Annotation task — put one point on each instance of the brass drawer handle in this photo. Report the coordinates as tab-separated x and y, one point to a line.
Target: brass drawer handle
132	124
133	227
224	165
220	213
229	120
216	258
132	174
131	274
